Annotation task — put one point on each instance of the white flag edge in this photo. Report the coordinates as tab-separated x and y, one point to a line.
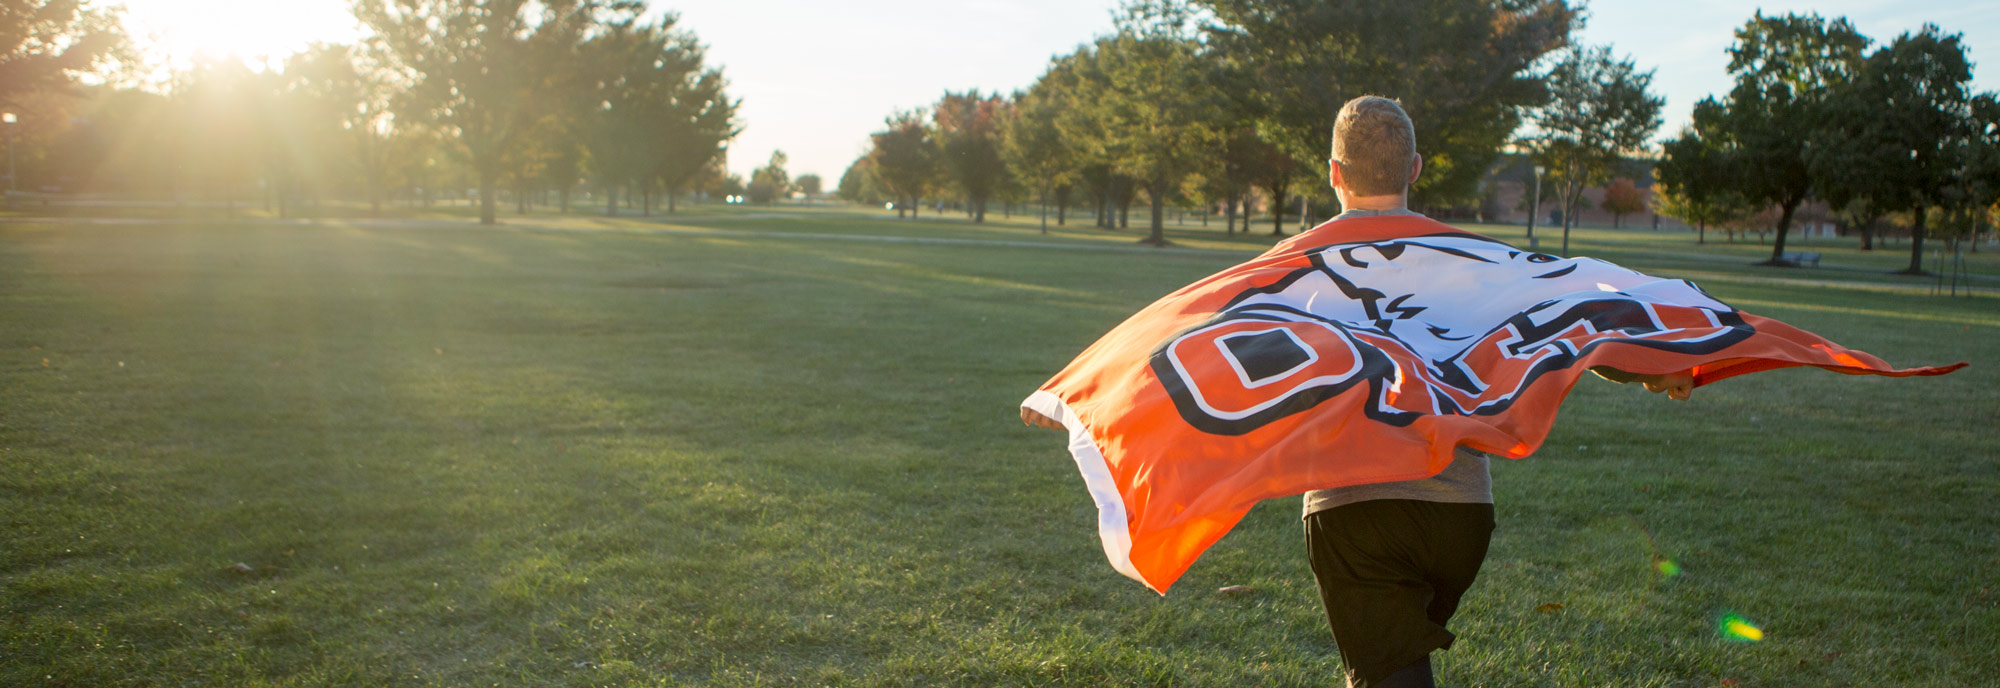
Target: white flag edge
1112	522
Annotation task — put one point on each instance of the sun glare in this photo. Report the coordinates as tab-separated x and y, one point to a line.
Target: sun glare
175	33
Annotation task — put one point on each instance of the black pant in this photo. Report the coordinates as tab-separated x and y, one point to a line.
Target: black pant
1391	572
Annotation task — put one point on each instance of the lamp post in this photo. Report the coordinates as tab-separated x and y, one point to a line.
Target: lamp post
1535	206
9	119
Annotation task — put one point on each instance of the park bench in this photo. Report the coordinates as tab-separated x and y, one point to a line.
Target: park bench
1802	258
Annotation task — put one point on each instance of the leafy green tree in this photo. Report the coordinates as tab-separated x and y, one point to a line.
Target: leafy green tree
46	44
1599	109
1696	181
859	183
1901	129
1033	144
808	184
698	117
1786	70
1978	190
1463	69
968	138
480	70
1232	174
1276	173
1158	106
770	182
903	158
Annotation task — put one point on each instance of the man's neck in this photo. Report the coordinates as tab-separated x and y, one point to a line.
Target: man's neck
1392	202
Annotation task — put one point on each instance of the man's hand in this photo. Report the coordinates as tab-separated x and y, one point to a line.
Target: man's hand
1678	386
1034	418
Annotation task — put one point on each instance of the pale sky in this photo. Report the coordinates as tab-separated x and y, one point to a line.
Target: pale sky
816	78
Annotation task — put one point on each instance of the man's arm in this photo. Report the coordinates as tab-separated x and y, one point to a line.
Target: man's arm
1678	386
1032	417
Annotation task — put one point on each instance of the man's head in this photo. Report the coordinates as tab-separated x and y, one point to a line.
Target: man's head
1375	146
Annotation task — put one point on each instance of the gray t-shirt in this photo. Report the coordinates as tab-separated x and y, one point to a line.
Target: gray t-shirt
1466	481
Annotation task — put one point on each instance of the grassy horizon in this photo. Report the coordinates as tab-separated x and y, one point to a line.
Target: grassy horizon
748	448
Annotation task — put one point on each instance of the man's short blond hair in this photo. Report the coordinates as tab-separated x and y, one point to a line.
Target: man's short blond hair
1375	145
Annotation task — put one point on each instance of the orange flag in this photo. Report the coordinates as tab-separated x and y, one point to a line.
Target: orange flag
1367	352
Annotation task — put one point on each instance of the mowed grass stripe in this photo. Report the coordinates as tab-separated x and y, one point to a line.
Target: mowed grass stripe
541	458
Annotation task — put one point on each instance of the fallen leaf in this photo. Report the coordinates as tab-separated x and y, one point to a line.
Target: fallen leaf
1235	589
239	567
1549	607
1728	681
440	352
45	363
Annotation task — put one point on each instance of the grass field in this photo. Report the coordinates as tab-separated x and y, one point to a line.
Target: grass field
753	448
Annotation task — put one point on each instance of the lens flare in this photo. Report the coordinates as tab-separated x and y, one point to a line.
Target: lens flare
1737	628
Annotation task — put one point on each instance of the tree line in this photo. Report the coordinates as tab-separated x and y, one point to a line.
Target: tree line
1815	115
1210	103
1217	102
538	98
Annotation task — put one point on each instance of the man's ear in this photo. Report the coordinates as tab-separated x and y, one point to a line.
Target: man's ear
1333	173
1416	168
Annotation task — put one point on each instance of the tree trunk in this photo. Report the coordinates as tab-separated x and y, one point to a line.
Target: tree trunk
1868	236
1784	227
672	195
1062	204
1916	245
1045	210
1278	208
978	210
610	200
1701	232
488	208
1158	191
1229	217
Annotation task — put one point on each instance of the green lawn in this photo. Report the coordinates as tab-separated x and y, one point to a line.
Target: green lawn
745	447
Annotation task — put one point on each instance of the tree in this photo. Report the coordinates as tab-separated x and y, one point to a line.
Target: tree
1902	126
355	82
808	184
903	158
480	69
1274	172
1034	146
1599	109
698	118
859	183
45	44
1463	69
770	182
1977	193
1695	179
968	140
1157	106
619	104
1623	198
1786	70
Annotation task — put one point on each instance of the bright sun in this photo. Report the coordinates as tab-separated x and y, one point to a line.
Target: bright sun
176	32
